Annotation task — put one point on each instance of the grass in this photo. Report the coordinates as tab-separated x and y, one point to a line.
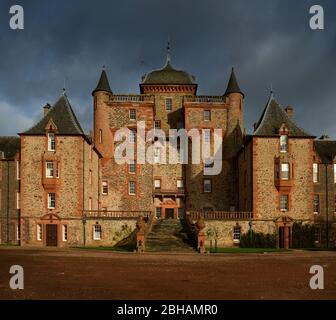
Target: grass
319	249
247	250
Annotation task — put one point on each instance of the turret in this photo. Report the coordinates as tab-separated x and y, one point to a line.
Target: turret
235	98
101	96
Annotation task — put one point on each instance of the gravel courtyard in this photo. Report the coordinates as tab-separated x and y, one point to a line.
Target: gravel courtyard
84	274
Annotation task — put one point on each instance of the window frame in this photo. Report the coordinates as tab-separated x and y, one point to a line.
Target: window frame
97	230
64	232
39	232
132	164
284	143
132	112
50	200
204	185
51	141
131	183
105	185
316	204
207	112
159	182
283	176
236	234
169	106
284	196
316	172
18	170
49	170
207	138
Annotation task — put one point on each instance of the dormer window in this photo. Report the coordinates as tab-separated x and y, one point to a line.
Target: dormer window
51	142
283	143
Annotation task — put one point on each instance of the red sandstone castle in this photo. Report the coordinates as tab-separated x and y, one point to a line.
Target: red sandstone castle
61	187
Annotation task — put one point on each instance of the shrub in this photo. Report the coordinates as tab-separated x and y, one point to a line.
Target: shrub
303	235
253	239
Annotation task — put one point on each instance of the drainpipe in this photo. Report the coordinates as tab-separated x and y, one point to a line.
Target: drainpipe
7	202
327	205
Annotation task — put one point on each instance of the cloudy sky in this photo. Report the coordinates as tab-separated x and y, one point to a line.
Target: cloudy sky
269	42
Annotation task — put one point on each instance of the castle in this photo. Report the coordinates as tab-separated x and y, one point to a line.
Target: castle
61	187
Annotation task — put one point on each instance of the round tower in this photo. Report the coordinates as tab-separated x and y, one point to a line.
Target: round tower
101	132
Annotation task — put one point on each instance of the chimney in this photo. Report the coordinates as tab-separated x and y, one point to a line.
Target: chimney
46	108
290	111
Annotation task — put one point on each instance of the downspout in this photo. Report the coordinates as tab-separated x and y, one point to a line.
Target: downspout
327	205
7	202
84	221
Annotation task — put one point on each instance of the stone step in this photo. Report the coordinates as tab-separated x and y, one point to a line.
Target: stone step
168	235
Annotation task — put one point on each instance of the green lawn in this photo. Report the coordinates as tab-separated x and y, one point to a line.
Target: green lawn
246	250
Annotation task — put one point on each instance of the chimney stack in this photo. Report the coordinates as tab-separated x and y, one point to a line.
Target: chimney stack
290	112
46	108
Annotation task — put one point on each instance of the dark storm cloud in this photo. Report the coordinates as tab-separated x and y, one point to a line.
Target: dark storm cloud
268	43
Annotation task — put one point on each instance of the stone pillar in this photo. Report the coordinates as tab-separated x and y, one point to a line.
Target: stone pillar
140	235
200	235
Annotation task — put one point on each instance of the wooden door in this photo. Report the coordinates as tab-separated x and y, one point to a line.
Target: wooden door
169	213
51	235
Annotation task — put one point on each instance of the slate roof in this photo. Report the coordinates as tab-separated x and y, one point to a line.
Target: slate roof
63	117
233	86
168	75
10	146
103	84
326	149
272	119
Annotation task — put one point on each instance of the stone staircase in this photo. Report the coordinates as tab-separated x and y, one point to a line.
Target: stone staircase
168	236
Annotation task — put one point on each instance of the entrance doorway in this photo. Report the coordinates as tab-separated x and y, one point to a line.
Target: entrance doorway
169	213
284	237
51	235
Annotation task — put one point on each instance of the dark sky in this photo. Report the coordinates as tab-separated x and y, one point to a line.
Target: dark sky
269	42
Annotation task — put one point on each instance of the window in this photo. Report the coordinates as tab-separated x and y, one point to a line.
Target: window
90	177
57	169
206	136
49	169
168	104
64	232
100	136
180	185
51	142
90	204
132	136
283	143
316	204
317	234
51	200
97	232
132	188
157	124
18	170
157	155
208	163
284	202
131	166
207	115
18	232
132	114
334	172
104	188
18	200
236	234
315	172
158	213
157	184
180	213
207	185
39	232
285	171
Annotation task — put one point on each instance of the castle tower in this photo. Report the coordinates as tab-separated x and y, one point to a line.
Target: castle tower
235	98
101	131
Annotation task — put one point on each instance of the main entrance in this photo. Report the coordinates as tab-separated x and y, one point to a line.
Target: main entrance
169	213
51	235
284	237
